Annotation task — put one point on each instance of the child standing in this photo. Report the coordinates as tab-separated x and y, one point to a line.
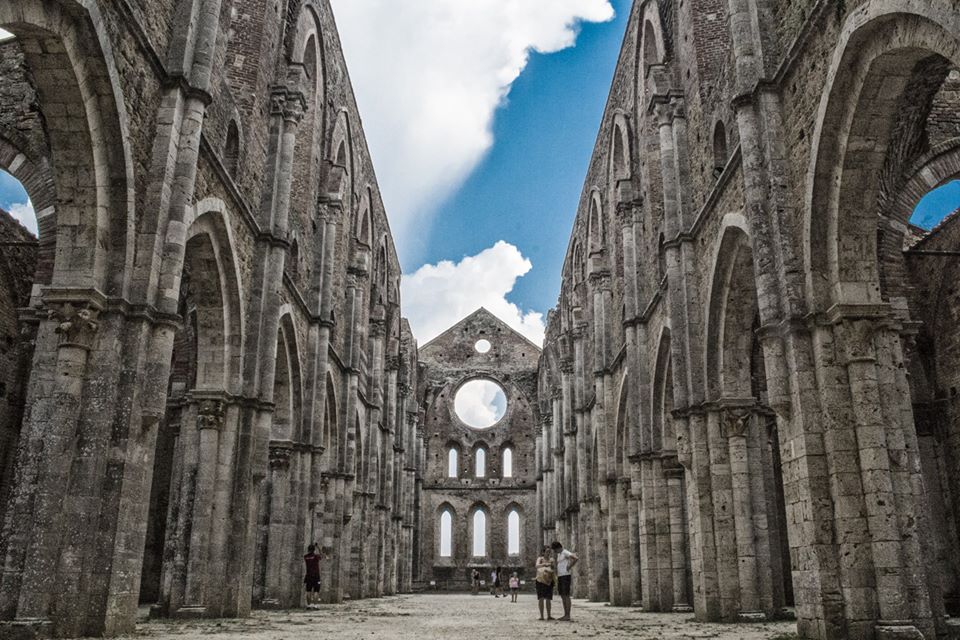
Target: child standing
514	586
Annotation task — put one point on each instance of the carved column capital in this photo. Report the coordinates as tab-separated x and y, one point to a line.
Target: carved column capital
735	422
210	414
77	323
280	456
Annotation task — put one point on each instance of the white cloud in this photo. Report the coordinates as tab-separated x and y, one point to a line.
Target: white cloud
429	75
25	214
5	35
437	296
480	403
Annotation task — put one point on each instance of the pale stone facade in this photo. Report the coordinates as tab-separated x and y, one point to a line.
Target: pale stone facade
729	375
505	486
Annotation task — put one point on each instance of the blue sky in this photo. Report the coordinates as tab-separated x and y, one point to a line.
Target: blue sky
481	124
526	190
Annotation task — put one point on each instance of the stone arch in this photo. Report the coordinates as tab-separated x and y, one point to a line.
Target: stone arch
622	445
288	382
878	50
331	440
596	225
340	154
231	148
452	466
731	309
363	225
67	46
511	510
662	429
308	33
652	44
481	460
479	515
210	238
720	154
621	155
36	176
448	509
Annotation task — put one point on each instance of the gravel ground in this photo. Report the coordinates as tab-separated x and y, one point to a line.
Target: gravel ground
459	617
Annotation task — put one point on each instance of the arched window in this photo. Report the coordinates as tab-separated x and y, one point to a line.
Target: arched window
452	456
508	463
719	149
446	534
231	149
513	533
480	463
479	533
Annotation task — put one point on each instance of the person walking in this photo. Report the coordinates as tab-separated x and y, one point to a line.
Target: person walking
311	578
494	580
476	582
546	574
566	560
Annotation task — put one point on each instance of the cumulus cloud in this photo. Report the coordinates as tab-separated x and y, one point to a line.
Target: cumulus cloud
429	75
25	214
480	403
437	296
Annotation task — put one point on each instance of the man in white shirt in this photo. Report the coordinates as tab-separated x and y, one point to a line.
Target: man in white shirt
565	562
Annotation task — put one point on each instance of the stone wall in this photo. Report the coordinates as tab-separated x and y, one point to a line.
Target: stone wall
221	373
446	363
727	413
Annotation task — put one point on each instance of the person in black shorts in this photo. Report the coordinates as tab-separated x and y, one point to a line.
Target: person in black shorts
546	574
311	579
565	562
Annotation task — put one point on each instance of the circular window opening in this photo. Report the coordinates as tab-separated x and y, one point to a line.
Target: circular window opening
480	403
482	346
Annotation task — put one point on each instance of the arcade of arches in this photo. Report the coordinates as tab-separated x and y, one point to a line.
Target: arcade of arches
745	408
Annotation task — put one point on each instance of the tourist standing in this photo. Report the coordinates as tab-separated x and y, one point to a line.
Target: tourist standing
546	574
311	579
514	586
565	563
476	582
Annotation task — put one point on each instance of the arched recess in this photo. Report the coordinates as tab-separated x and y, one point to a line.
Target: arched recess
231	149
877	59
446	517
650	52
288	383
621	163
720	155
331	440
737	385
205	370
453	460
513	520
480	461
307	65
596	224
79	95
620	464
506	461
341	174
479	530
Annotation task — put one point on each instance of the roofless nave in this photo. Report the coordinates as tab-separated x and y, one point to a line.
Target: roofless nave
747	398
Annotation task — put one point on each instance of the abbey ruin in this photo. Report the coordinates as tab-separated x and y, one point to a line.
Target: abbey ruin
745	408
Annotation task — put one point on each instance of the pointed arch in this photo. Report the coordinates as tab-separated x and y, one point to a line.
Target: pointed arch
596	225
621	162
446	518
479	530
731	312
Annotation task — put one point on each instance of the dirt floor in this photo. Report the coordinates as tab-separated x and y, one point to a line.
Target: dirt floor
458	617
